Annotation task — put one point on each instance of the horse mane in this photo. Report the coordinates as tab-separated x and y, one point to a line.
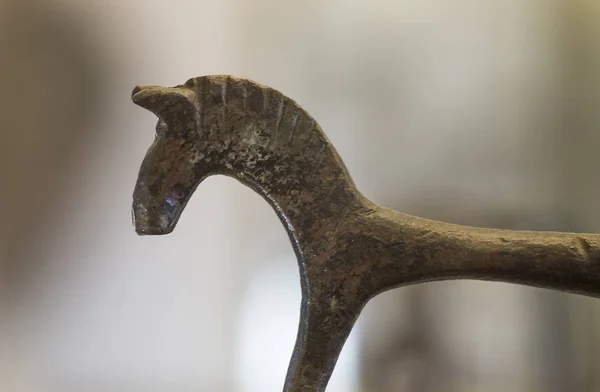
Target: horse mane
229	104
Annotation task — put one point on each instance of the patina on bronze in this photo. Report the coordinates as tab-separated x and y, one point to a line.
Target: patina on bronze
348	248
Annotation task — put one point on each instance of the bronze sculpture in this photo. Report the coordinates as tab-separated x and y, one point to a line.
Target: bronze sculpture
348	248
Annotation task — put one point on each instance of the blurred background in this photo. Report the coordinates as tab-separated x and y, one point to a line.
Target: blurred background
479	113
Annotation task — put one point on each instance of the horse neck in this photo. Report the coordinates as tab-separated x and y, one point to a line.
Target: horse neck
306	183
267	141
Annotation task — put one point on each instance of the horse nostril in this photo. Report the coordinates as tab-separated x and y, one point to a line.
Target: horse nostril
170	203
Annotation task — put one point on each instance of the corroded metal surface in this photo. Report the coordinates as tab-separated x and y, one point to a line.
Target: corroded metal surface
349	249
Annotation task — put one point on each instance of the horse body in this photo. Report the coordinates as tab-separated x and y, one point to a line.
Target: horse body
349	249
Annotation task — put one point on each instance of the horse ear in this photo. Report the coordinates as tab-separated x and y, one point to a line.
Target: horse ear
165	102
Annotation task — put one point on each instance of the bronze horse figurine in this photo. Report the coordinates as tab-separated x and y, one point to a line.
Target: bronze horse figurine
349	249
